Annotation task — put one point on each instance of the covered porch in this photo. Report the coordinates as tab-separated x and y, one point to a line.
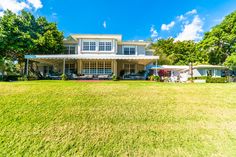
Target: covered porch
91	66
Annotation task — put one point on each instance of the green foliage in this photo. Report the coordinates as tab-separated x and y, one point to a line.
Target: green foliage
24	34
151	77
64	77
23	78
198	78
216	80
217	45
115	78
6	66
220	42
177	53
27	78
231	61
154	78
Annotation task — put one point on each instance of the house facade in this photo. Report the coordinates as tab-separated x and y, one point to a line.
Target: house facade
183	72
90	54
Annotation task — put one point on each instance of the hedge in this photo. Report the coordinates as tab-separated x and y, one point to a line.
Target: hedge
216	80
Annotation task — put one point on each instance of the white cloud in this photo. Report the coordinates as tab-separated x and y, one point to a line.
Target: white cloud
184	17
13	5
181	17
166	27
194	11
191	31
37	4
104	24
18	5
153	32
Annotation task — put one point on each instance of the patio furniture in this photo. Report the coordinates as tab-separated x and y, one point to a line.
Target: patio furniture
133	77
75	77
89	77
85	77
54	77
103	77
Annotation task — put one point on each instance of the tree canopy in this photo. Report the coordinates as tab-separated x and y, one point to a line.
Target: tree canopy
231	61
177	53
24	34
220	41
217	46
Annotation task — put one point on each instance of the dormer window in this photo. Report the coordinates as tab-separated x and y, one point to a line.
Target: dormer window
105	46
89	46
129	50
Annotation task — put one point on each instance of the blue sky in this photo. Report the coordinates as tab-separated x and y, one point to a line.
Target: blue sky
134	19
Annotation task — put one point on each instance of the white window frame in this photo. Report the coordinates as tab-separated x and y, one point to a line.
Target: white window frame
105	45
135	50
89	41
104	68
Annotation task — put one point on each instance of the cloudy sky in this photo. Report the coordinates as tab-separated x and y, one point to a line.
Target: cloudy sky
134	19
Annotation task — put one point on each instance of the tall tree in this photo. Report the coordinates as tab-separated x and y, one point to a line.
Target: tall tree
231	61
177	53
220	42
164	48
24	34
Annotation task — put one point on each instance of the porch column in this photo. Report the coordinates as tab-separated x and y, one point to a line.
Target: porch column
64	66
27	67
78	66
115	67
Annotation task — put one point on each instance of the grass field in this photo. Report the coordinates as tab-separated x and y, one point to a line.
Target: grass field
136	118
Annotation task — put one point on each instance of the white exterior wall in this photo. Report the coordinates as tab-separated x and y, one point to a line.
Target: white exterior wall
203	72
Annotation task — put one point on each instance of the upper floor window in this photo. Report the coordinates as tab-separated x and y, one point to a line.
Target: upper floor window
129	50
89	46
69	49
105	46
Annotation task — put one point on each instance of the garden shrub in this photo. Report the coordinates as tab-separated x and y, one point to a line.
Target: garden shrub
115	78
216	80
23	78
154	78
151	78
27	78
64	77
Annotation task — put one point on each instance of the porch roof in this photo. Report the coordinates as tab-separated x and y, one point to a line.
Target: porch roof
93	56
171	67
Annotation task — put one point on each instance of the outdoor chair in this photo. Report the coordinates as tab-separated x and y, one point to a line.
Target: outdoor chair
75	77
103	77
89	77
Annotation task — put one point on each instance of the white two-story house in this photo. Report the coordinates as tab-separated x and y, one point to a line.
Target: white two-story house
90	54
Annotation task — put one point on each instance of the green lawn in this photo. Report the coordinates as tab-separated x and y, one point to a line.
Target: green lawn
133	118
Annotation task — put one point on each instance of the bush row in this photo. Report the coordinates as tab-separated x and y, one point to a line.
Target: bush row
216	80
